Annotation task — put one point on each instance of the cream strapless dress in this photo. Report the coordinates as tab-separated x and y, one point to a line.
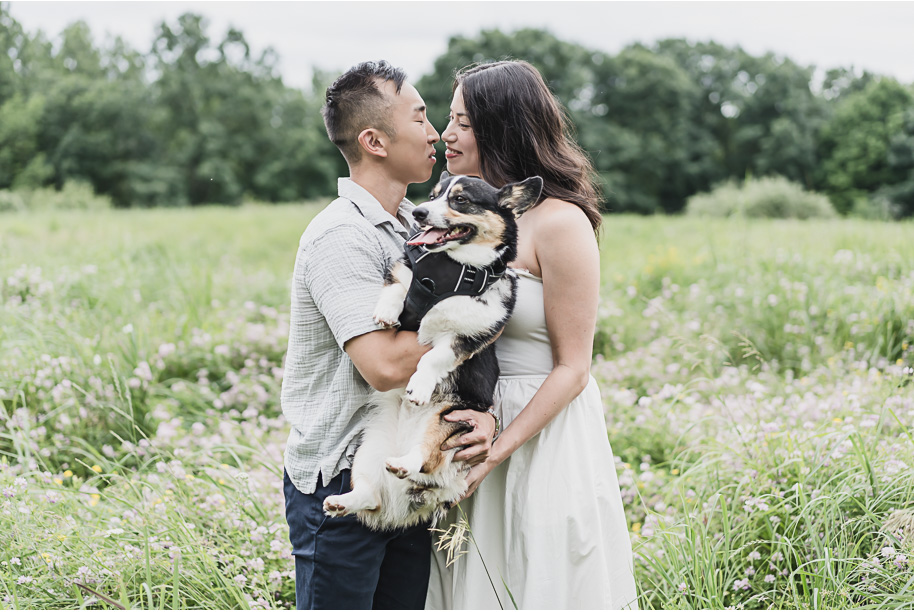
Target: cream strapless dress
549	521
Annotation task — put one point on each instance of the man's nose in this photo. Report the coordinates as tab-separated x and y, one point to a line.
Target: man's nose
431	132
420	214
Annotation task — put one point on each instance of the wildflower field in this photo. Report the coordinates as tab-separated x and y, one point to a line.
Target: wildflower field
755	375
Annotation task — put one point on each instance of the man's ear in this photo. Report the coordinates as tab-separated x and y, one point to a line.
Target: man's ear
373	141
521	197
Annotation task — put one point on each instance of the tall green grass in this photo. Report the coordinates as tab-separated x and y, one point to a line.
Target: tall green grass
755	374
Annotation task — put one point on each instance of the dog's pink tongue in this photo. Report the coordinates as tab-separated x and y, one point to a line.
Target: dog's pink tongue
429	236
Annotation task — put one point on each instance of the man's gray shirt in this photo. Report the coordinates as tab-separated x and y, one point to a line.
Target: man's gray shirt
339	273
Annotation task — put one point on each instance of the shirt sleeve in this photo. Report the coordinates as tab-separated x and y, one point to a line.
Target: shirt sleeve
344	272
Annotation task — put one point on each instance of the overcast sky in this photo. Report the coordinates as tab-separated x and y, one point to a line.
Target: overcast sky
877	36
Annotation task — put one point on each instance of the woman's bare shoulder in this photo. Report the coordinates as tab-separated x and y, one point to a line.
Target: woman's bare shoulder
561	216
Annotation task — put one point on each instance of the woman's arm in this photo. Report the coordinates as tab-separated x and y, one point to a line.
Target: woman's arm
569	260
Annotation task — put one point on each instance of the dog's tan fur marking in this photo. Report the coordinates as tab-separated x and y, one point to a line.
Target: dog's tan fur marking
516	192
492	233
439	430
512	201
400	273
490	228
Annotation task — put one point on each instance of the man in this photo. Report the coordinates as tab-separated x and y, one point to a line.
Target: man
337	354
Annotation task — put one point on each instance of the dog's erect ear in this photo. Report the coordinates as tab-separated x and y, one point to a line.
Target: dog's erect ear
521	197
436	188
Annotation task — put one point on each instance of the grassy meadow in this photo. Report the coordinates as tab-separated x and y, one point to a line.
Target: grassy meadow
755	375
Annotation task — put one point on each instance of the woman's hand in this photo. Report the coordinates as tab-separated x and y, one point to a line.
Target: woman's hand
476	476
476	443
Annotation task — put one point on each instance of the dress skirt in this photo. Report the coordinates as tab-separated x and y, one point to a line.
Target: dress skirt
548	522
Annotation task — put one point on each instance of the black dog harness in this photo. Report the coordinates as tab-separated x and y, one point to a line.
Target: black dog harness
437	277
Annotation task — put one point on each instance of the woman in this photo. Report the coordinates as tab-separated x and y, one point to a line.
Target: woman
544	508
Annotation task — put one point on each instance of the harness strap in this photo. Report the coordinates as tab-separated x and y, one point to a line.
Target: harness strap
437	277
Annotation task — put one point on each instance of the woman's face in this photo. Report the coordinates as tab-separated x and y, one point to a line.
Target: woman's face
461	153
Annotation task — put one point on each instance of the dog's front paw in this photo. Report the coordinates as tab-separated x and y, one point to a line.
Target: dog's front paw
419	390
418	396
385	321
387	312
334	506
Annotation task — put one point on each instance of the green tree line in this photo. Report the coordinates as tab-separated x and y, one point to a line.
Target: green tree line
197	120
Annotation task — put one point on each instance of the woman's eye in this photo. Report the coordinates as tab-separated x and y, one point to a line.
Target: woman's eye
451	119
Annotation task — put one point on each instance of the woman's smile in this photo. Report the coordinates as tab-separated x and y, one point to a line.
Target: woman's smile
459	133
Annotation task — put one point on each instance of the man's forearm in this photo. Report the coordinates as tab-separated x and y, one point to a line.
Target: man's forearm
386	359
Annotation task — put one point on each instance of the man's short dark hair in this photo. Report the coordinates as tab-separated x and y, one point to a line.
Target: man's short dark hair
355	103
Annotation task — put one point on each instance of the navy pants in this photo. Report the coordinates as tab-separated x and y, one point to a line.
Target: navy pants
341	564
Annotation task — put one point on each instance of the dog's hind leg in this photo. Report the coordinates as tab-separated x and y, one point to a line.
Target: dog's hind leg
426	456
367	474
410	463
366	483
350	503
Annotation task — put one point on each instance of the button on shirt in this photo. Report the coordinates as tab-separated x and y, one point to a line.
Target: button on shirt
338	276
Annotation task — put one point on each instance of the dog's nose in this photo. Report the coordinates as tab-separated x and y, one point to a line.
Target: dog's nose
420	214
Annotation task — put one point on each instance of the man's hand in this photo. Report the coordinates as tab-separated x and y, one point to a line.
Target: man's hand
478	442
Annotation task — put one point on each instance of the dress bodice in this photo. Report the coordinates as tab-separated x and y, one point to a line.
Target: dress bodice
524	349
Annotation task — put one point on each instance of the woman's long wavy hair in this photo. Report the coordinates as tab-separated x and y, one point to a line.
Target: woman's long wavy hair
521	131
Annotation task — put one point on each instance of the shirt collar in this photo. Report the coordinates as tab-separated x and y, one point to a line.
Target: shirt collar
371	209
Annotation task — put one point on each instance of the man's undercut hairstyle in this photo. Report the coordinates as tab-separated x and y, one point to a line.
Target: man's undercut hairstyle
355	103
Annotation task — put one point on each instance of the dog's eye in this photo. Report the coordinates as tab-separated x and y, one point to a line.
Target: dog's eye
460	199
